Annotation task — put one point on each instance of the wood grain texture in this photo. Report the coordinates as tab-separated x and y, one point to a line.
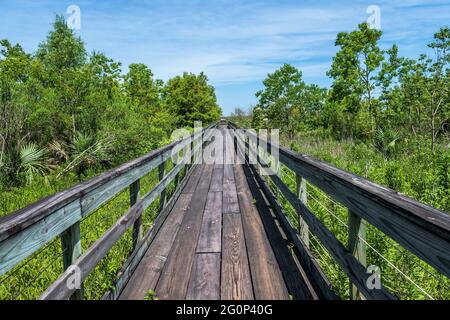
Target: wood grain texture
132	262
175	277
217	179
322	286
421	229
87	262
230	198
21	245
210	239
230	202
352	267
268	283
71	248
236	279
149	269
204	283
293	276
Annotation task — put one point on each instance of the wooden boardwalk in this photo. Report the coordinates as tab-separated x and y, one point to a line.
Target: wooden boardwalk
225	231
214	244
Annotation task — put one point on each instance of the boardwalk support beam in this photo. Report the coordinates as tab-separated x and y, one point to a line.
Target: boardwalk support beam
71	246
356	245
134	197
303	228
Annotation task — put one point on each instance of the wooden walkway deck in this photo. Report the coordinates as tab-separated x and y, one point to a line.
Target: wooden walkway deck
206	247
224	232
220	241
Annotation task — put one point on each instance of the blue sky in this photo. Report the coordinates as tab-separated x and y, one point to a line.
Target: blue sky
235	42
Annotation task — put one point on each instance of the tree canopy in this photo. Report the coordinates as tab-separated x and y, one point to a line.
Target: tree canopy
60	103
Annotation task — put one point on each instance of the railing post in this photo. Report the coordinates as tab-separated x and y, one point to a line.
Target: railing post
134	197
162	197
247	148
302	194
356	245
257	166
71	246
192	151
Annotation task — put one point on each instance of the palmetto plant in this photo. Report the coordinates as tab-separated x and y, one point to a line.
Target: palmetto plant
86	152
386	141
32	161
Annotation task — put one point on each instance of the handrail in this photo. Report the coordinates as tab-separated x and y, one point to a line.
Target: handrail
89	260
27	230
421	229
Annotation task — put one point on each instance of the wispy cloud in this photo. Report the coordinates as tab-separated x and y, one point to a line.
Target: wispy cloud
236	42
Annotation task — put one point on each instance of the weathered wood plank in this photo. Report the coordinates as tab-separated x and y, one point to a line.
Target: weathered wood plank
421	229
318	279
230	202
23	244
193	181
205	279
236	279
291	273
175	277
356	236
230	199
229	183
130	265
71	248
354	270
210	238
87	262
267	279
149	269
135	188
228	148
162	197
217	179
302	194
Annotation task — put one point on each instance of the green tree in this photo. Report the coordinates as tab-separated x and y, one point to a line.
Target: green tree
142	89
190	98
281	98
62	49
354	71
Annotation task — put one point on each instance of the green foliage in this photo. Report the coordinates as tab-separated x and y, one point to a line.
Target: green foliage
62	93
281	97
87	152
189	98
90	117
61	50
387	141
142	89
151	295
32	161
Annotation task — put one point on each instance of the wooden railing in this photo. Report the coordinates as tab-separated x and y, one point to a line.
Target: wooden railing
421	229
28	230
